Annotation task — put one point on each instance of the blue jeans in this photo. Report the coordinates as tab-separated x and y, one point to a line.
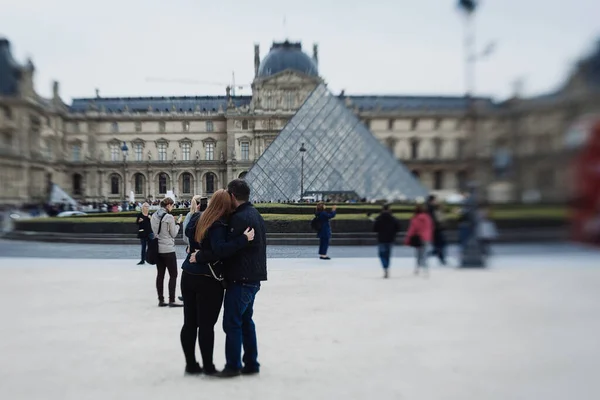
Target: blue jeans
385	251
323	245
239	327
144	242
464	232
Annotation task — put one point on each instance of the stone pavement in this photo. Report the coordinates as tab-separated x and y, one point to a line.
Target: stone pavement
526	328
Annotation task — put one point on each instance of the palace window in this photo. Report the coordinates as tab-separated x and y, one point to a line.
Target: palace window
138	126
245	124
186	126
115	150
161	126
209	126
210	151
162	183
138	150
139	183
162	152
186	149
114	184
115	127
245	147
76	149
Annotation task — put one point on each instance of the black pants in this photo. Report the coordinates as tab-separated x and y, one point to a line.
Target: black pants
202	301
166	261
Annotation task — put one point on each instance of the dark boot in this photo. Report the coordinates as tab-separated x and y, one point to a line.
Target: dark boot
193	369
250	370
229	373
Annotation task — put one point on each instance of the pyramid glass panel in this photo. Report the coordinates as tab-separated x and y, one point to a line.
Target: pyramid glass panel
342	156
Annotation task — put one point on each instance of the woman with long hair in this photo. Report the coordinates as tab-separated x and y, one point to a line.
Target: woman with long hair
201	280
144	230
419	235
166	229
322	217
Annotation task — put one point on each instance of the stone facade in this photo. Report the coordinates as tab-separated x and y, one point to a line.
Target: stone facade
195	145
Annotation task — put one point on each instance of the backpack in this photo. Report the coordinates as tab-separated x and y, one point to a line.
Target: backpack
316	224
152	252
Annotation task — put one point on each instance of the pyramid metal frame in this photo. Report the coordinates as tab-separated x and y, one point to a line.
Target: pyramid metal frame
342	156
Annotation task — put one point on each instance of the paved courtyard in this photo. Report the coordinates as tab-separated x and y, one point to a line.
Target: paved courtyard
526	328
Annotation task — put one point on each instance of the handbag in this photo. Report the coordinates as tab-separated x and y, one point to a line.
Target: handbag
415	241
152	252
219	277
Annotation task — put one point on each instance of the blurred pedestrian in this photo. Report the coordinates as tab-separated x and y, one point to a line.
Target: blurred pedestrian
322	224
144	230
387	227
166	229
419	235
486	231
439	237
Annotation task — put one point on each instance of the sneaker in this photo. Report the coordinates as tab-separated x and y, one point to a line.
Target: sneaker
173	304
162	304
141	263
325	258
229	373
250	370
194	369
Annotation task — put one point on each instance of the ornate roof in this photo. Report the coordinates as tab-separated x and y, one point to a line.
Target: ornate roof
157	104
10	70
284	56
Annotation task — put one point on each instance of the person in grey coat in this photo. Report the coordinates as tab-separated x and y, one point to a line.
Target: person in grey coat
165	228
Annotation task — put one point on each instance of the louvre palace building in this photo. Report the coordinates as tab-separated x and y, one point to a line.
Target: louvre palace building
102	149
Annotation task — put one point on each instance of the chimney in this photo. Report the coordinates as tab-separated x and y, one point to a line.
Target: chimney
316	53
256	59
55	89
97	93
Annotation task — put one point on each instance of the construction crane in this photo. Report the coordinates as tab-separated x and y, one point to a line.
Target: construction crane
231	84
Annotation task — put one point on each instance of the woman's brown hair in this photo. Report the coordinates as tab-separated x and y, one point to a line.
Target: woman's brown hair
166	201
320	207
219	206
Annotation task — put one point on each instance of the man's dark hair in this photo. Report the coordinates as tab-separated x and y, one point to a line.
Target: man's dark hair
431	198
240	189
385	207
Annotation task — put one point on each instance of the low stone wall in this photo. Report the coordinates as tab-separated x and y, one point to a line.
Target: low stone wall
302	226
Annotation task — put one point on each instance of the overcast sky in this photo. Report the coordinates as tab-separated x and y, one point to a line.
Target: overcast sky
365	47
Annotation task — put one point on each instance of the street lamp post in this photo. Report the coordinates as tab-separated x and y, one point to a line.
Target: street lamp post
125	151
471	252
302	151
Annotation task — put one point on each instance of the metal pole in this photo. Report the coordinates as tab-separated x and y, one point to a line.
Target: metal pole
302	178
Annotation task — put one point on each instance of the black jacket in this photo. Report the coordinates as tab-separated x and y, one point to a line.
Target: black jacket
250	263
387	227
214	247
144	227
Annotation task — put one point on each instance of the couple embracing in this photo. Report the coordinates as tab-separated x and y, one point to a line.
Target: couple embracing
226	263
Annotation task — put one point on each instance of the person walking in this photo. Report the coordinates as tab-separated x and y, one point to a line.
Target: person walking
439	237
167	258
201	279
323	217
244	271
419	235
387	227
144	230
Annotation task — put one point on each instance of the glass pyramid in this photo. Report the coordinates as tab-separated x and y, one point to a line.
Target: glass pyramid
342	157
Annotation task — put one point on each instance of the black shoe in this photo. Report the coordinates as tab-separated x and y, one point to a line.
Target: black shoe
141	263
229	373
173	304
325	258
250	370
211	371
180	298
162	304
194	369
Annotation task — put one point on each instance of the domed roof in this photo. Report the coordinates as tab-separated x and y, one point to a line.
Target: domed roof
284	56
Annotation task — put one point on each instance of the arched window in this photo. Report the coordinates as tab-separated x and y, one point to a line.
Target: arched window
162	183
139	183
186	183
77	184
210	183
115	184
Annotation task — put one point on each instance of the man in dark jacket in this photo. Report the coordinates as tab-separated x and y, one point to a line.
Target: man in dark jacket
244	271
387	227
